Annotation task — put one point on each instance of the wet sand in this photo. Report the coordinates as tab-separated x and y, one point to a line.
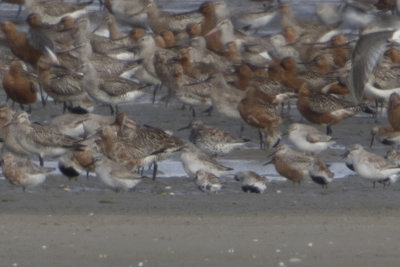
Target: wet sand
350	224
169	222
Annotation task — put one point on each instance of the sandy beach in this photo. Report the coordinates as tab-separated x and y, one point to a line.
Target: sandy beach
169	222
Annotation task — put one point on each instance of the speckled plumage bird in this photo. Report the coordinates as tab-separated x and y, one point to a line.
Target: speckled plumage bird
251	182
212	140
23	172
207	182
41	140
326	109
116	175
371	166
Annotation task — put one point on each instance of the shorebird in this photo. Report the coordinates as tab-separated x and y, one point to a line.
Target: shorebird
319	74
106	66
212	140
387	135
386	5
144	71
198	53
209	21
95	122
197	70
41	140
207	182
154	140
394	156
379	94
226	98
308	139
366	55
254	52
116	44
393	54
329	13
193	160
23	172
320	173
308	31
52	12
60	83
19	86
371	166
166	40
39	34
7	132
253	19
69	124
160	21
393	110
251	182
276	92
109	90
227	34
19	44
257	110
73	164
325	109
188	90
340	50
134	155
131	12
297	166
279	48
116	175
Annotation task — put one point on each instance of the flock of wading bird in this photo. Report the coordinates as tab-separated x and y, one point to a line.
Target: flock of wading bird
333	67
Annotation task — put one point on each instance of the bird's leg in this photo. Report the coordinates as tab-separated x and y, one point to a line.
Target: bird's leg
155	169
42	97
241	130
111	109
193	111
19	10
64	107
156	88
262	143
208	110
328	130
